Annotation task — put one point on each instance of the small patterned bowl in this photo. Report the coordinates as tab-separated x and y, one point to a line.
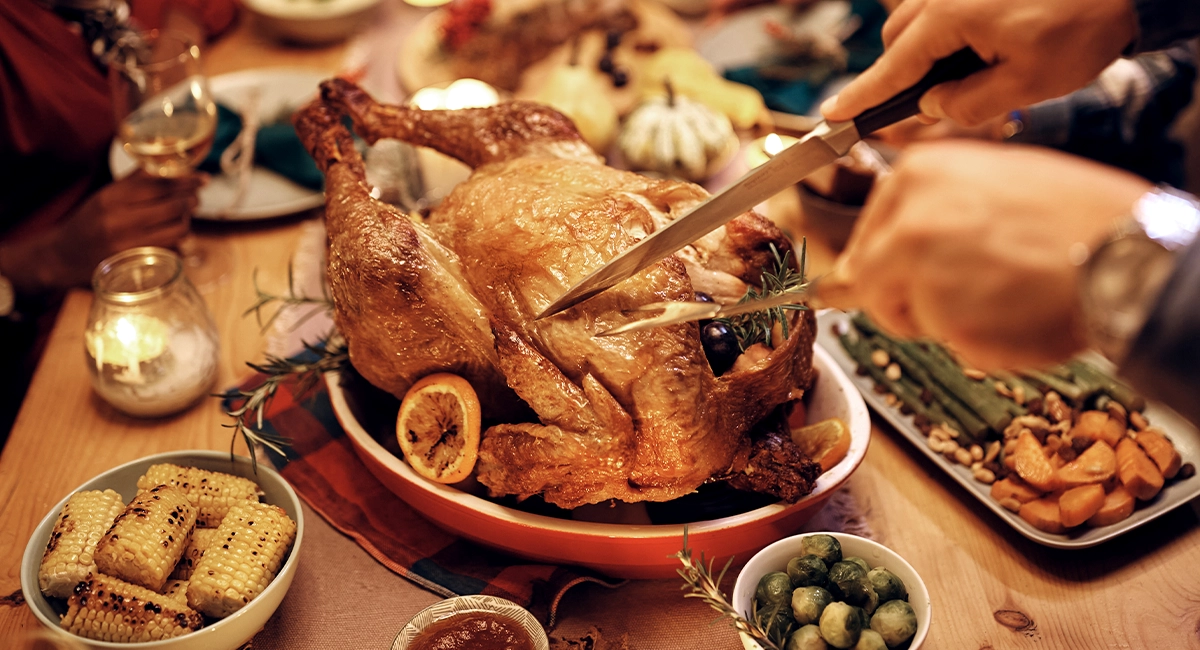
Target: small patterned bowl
478	603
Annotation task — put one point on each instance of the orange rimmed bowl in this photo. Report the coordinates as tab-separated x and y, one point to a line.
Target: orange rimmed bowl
624	550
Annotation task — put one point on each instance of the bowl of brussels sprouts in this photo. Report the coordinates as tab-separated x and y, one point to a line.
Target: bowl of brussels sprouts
825	591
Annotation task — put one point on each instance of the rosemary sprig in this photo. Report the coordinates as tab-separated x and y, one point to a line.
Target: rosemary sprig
321	304
699	578
781	277
249	405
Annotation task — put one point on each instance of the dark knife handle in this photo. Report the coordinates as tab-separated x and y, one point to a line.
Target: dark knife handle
957	66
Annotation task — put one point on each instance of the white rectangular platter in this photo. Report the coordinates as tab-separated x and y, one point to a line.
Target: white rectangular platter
1176	493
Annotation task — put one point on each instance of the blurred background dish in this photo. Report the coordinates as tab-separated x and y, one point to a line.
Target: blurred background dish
311	22
276	92
226	634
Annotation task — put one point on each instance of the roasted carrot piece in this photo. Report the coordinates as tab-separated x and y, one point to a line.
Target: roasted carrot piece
1090	425
1137	472
1011	486
1078	504
1095	465
1043	514
1161	451
1117	505
1032	465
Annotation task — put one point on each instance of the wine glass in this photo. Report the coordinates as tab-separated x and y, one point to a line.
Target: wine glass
166	120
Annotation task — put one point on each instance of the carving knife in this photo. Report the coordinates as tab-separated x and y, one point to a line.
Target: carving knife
823	145
813	294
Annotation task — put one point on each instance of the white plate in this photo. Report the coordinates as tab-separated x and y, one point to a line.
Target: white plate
1174	494
269	195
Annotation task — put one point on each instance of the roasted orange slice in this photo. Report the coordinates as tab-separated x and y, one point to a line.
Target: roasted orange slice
438	427
827	442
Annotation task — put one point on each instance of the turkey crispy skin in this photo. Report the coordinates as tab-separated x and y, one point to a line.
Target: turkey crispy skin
633	417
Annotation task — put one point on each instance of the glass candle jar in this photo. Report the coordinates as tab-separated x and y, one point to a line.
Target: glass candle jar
150	342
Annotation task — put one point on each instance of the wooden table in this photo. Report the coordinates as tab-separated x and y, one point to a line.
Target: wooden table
991	588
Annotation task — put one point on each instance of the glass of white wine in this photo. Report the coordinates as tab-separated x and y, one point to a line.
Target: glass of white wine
166	120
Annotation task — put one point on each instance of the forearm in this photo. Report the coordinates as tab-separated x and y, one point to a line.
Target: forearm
32	265
1164	361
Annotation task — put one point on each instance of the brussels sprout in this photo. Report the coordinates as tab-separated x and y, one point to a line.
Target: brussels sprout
808	571
887	585
808	603
841	625
806	638
848	582
782	624
859	561
825	547
872	603
774	590
895	621
870	640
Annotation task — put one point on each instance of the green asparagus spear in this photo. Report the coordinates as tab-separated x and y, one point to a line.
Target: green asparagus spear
860	351
1093	376
971	425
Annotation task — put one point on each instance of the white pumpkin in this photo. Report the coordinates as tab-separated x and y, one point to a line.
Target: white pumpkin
677	136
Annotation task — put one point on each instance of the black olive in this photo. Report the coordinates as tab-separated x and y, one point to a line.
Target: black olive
612	39
720	346
606	64
620	78
703	297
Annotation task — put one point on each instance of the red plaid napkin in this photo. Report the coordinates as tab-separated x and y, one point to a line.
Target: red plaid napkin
323	469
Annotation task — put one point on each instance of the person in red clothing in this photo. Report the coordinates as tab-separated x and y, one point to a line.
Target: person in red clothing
61	212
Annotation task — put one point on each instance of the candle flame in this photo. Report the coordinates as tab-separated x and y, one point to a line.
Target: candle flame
772	144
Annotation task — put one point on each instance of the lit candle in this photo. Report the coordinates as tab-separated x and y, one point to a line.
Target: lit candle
767	147
150	342
127	342
440	173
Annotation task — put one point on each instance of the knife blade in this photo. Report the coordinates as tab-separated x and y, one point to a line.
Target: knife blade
825	144
814	294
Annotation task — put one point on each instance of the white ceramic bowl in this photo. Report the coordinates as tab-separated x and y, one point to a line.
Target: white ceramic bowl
476	603
312	22
228	633
633	548
775	558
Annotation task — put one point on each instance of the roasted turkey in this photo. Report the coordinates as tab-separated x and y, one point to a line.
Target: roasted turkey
633	417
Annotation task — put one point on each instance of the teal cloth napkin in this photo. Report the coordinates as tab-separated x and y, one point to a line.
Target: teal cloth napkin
276	147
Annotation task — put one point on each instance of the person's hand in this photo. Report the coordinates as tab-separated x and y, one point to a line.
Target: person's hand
139	210
977	245
1036	50
906	132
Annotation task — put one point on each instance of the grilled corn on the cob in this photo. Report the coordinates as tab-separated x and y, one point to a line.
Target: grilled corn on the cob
201	539
176	590
69	553
146	540
212	493
251	544
107	609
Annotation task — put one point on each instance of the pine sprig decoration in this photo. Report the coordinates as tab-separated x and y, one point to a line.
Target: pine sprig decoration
249	405
781	277
699	579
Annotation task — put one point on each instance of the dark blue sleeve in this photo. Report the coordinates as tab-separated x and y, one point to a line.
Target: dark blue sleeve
1123	118
1163	22
1164	362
